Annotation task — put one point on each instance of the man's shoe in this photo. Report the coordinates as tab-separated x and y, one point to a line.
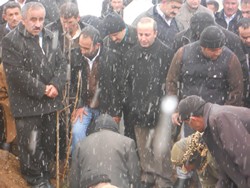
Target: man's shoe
43	184
146	185
182	183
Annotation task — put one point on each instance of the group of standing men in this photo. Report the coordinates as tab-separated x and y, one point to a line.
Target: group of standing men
127	72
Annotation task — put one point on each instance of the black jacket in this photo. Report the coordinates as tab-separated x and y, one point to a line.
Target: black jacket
219	18
109	97
144	81
165	33
56	26
28	70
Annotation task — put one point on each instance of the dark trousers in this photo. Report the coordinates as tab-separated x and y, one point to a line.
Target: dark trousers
36	137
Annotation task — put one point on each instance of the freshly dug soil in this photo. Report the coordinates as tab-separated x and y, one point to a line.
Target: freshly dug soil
10	176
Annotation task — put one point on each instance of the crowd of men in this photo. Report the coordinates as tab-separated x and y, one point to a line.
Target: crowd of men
80	76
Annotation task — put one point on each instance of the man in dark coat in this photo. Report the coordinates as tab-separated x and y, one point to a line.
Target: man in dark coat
68	27
198	23
121	37
164	14
226	133
229	16
206	68
98	92
147	65
244	33
35	71
107	152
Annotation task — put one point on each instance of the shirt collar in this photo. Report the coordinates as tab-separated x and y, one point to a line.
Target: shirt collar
8	27
21	4
168	21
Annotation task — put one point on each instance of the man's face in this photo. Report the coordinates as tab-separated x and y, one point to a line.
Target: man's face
12	17
212	8
88	49
230	7
70	25
196	123
193	4
34	20
170	9
146	34
211	53
245	35
117	5
245	10
118	37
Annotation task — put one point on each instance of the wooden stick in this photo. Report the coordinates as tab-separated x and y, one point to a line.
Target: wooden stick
57	150
70	137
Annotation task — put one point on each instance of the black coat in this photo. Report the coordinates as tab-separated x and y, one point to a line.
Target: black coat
165	32
109	97
220	19
29	70
56	27
145	80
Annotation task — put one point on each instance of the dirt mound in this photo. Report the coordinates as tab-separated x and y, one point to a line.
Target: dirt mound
10	176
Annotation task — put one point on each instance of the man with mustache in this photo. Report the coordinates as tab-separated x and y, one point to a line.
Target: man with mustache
36	74
164	14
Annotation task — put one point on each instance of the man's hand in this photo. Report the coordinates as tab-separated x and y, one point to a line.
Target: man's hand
51	91
78	113
175	119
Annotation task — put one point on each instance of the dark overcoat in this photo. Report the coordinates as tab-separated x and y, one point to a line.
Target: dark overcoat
29	68
227	135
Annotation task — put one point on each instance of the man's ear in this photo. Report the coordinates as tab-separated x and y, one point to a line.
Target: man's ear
78	18
4	16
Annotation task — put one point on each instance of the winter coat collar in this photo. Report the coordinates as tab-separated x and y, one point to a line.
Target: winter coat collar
151	51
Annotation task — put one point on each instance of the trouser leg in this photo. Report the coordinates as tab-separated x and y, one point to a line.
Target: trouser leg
36	143
154	170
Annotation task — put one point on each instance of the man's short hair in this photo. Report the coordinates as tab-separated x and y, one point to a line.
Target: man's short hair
144	20
33	6
10	5
91	32
244	23
69	10
215	3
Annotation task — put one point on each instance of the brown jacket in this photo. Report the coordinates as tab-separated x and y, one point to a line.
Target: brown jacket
219	81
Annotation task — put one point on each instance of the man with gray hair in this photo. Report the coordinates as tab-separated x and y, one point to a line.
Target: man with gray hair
36	72
229	16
